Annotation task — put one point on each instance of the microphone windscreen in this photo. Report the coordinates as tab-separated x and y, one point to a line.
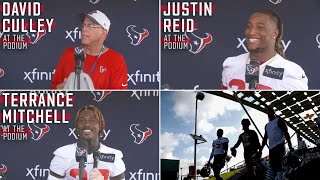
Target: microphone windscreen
252	71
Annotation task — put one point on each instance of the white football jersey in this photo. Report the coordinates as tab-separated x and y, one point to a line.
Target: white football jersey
64	162
217	145
275	74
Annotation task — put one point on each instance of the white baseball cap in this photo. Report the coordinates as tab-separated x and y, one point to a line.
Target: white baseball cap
99	18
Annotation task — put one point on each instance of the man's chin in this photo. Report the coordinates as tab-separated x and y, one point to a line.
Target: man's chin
88	138
254	49
84	43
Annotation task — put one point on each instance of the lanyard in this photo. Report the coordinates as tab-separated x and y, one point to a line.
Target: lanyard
95	62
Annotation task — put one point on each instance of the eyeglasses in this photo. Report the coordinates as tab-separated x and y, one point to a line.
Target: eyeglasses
90	26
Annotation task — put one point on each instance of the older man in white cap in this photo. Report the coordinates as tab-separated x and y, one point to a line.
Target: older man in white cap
103	66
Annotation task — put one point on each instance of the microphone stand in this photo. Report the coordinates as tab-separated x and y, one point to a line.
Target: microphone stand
253	84
78	72
81	168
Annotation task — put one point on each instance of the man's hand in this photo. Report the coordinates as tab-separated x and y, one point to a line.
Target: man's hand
95	175
233	152
61	85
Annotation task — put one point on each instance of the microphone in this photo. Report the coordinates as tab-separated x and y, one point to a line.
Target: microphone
96	156
2	176
81	155
252	74
79	57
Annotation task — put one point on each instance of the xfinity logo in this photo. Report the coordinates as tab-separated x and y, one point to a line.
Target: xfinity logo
144	175
241	44
36	75
73	130
139	77
272	72
139	94
37	172
74	34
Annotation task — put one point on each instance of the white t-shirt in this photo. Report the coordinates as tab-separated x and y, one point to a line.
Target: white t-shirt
64	162
277	74
217	145
274	133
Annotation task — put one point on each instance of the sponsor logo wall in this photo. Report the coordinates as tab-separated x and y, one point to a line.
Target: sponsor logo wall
132	33
132	126
222	35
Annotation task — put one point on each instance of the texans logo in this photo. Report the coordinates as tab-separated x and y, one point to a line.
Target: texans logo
275	1
37	132
138	135
252	70
79	50
94	1
81	151
1	72
102	69
3	169
135	36
197	43
100	95
36	36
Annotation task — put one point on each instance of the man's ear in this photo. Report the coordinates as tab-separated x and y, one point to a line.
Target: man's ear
276	33
105	34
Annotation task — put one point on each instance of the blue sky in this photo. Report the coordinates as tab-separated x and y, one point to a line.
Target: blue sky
178	121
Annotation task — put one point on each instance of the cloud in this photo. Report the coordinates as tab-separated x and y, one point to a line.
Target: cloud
211	106
169	142
228	130
205	126
189	150
208	110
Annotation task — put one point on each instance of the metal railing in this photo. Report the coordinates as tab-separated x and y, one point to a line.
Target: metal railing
233	167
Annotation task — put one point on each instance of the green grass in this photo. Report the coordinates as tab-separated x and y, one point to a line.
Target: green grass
227	175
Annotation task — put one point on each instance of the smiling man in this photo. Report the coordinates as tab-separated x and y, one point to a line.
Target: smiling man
89	127
106	67
263	36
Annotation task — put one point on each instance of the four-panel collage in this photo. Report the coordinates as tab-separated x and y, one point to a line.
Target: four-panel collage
159	90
